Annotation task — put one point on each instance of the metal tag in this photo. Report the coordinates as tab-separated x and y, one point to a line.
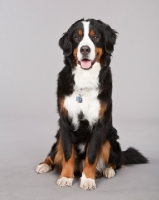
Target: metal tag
79	99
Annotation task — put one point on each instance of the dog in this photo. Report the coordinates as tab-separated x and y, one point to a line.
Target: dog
86	142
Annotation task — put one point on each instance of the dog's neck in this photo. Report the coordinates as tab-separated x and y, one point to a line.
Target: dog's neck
86	79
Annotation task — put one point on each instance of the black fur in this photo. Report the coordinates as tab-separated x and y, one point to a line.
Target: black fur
65	44
133	156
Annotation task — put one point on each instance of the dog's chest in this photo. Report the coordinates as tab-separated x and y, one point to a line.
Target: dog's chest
86	87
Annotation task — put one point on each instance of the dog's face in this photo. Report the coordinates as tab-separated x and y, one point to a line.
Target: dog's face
88	42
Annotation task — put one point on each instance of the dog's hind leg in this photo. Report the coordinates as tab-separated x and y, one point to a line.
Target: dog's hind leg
108	169
54	159
45	166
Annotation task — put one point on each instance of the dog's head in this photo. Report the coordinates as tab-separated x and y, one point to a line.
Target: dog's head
88	41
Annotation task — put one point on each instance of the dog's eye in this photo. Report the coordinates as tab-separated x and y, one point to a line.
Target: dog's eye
95	38
77	38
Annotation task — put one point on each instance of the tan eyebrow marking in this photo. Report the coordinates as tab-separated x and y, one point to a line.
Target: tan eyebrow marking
80	32
91	33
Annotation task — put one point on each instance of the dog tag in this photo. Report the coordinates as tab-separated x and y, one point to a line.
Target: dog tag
79	99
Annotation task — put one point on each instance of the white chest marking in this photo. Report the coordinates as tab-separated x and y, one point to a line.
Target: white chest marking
90	105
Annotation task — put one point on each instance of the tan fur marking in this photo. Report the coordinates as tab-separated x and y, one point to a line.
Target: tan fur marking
80	32
103	108
75	52
62	108
99	53
75	56
105	152
112	165
48	161
89	170
91	33
68	166
59	156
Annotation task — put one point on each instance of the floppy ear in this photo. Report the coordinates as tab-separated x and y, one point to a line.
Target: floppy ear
65	44
110	37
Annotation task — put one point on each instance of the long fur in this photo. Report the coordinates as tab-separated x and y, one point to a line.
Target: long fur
87	142
133	156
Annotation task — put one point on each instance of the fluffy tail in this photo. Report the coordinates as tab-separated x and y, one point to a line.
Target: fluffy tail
133	156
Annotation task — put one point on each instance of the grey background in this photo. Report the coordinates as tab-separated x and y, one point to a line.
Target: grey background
30	60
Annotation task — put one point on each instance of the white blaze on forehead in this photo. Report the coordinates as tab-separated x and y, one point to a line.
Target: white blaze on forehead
86	41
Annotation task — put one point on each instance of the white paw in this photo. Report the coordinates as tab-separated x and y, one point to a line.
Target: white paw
64	181
43	168
109	172
87	183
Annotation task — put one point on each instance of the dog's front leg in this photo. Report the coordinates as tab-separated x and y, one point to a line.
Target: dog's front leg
89	169
88	175
68	162
67	174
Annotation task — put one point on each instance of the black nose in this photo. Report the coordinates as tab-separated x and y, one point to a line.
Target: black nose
85	50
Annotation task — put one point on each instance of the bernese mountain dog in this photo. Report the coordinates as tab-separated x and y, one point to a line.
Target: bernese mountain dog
86	142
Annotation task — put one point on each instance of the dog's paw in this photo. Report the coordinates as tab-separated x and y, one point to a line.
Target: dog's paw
87	183
43	168
64	181
109	172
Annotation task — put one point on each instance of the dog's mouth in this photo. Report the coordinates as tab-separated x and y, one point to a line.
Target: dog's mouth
86	63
